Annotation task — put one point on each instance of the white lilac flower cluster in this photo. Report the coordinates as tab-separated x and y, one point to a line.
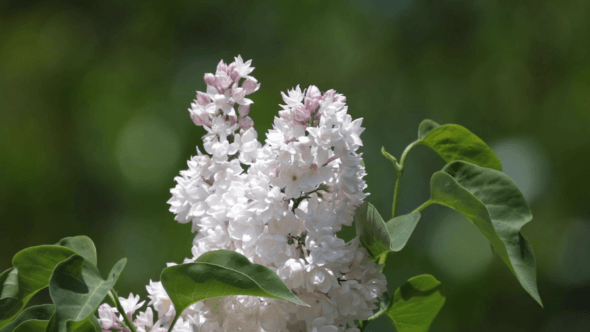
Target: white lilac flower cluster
279	204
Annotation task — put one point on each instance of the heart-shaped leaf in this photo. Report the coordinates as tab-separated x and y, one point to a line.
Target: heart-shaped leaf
380	237
453	142
416	303
31	272
77	289
492	201
221	273
35	313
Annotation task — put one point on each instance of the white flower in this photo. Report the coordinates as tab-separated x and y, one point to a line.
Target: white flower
273	318
326	249
319	325
273	249
145	320
293	273
320	278
293	97
160	301
290	179
245	229
289	224
131	304
243	68
107	317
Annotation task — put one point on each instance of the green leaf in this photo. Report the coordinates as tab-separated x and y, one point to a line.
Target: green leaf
82	245
453	142
400	228
416	303
32	269
35	313
9	297
32	326
382	305
380	237
426	127
492	201
222	273
90	324
77	289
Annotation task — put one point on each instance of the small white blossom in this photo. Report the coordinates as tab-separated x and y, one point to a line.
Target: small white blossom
131	304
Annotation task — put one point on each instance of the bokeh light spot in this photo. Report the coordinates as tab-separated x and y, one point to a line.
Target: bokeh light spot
458	248
146	150
526	162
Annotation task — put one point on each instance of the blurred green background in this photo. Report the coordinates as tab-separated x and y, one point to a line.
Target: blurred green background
94	127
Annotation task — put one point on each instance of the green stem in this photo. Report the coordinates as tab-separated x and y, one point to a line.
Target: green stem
400	171
396	193
382	259
115	299
363	324
424	205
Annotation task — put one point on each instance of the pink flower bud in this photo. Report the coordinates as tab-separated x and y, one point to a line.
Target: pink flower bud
300	114
246	122
196	119
210	79
221	68
203	98
223	81
232	120
202	119
243	110
313	92
250	86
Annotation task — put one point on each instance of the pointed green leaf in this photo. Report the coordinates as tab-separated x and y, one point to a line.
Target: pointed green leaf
416	303
32	269
77	289
82	245
453	142
380	237
9	298
426	127
222	273
38	313
371	230
492	201
400	228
